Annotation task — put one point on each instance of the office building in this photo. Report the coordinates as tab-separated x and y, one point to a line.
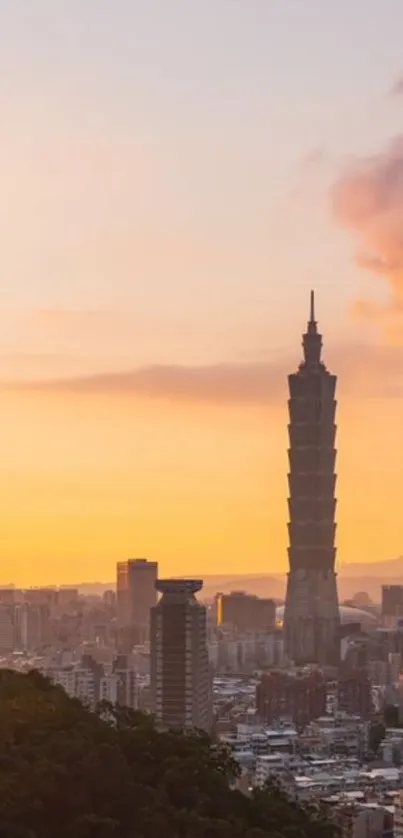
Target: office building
354	693
392	605
42	596
9	596
180	676
126	679
135	596
245	613
7	628
311	618
33	626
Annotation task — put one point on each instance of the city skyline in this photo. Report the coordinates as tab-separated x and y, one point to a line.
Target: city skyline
164	217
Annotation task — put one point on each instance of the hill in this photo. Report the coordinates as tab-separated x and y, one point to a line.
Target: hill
71	773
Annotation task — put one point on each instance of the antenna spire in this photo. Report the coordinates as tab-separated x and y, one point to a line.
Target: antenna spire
312	340
312	308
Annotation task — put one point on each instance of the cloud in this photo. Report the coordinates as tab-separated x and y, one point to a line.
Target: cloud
363	371
397	87
367	199
220	383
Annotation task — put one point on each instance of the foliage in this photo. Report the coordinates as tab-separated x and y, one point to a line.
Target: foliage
68	773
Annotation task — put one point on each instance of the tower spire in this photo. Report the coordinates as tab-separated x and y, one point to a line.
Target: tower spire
312	308
312	340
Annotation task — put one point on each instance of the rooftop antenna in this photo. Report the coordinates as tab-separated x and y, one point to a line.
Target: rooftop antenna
312	311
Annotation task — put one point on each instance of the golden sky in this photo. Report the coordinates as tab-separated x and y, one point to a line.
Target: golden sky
89	477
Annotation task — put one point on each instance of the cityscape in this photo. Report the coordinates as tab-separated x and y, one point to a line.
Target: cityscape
305	690
201	402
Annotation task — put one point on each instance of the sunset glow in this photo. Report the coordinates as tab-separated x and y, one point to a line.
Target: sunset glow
174	181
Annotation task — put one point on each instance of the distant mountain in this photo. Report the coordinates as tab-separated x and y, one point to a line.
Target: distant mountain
264	586
270	586
352	578
391	568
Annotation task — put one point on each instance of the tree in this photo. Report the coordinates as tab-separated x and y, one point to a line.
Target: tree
69	772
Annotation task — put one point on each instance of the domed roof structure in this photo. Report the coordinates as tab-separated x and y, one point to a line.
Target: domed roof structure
348	614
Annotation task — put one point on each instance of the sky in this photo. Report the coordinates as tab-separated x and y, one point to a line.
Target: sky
175	178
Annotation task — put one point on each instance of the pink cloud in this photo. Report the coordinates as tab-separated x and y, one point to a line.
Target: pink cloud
367	199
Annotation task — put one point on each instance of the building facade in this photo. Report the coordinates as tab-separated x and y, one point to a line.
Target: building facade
300	696
354	692
392	605
311	617
135	596
245	612
180	676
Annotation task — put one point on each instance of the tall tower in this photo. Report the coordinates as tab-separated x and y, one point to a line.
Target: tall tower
311	617
180	676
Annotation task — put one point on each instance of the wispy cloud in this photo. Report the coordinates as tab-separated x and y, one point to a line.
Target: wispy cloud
364	370
220	383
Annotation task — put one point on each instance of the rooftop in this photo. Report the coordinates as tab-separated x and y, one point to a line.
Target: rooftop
179	586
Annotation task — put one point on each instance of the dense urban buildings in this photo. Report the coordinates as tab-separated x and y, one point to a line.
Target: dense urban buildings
31	619
136	595
300	696
180	676
354	692
311	618
308	726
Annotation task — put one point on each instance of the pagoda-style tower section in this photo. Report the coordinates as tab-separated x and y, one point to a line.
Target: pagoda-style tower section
311	618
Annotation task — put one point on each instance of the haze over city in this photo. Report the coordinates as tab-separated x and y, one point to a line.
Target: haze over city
175	179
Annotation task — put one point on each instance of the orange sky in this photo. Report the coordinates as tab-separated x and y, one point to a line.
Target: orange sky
175	177
88	479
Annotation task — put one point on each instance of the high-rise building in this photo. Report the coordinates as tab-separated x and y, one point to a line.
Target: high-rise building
32	626
7	628
392	605
245	612
42	596
8	596
180	676
311	617
135	596
354	692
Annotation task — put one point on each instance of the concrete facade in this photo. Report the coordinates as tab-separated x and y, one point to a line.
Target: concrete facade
180	675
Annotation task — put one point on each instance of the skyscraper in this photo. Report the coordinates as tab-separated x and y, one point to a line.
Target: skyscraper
311	617
392	605
180	678
136	595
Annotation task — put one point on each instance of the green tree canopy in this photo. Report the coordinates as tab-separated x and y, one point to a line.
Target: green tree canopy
66	772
